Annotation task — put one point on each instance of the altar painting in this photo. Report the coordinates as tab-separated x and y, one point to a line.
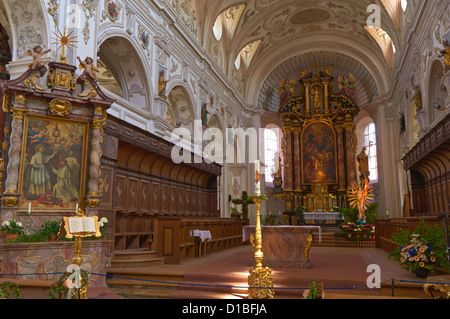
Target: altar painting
53	163
319	160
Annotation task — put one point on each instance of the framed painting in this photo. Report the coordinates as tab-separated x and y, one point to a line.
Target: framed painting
53	163
319	157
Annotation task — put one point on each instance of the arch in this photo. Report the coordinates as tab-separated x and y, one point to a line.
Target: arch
182	107
120	56
436	92
371	60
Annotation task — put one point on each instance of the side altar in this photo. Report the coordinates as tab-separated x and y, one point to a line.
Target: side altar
318	162
50	161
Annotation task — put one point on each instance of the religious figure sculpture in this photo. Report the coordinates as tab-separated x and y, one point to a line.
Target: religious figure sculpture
162	84
37	57
205	113
287	90
347	85
89	68
360	195
317	98
418	98
446	55
363	161
402	123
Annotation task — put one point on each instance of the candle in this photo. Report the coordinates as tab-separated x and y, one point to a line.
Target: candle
270	213
76	209
29	208
387	214
279	213
258	178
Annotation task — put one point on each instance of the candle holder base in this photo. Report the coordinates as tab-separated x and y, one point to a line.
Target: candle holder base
260	283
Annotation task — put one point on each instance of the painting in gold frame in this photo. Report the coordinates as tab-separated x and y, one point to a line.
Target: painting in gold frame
53	163
319	154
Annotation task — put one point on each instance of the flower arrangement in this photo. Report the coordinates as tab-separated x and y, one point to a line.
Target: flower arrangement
417	255
12	227
102	223
421	250
355	231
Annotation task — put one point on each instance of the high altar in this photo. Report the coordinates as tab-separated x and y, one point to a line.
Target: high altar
319	143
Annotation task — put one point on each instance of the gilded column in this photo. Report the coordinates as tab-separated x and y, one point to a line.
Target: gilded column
297	160
326	95
95	182
307	102
288	169
341	157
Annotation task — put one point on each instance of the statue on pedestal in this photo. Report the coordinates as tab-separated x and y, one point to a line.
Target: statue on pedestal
363	161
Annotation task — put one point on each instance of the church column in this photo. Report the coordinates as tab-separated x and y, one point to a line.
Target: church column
297	160
350	151
388	169
288	169
342	202
18	110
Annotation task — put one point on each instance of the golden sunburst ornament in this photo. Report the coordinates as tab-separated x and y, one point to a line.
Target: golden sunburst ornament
64	40
360	196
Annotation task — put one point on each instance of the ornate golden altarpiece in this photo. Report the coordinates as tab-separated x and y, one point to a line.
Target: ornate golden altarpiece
318	146
51	157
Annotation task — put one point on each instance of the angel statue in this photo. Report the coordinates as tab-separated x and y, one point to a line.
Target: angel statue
37	57
89	68
360	196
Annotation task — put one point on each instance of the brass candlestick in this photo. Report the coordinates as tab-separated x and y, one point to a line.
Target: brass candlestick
260	280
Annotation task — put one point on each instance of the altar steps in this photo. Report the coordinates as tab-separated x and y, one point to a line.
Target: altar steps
136	258
329	239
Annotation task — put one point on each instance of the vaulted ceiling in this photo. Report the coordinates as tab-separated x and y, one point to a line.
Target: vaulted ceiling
292	34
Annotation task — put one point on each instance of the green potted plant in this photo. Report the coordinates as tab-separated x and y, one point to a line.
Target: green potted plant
51	229
299	214
7	288
422	250
13	228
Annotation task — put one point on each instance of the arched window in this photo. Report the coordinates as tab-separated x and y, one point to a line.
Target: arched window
370	142
271	152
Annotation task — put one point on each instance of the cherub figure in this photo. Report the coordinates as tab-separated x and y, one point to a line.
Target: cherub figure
37	57
89	68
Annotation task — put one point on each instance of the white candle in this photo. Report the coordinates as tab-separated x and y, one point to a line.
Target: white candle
29	208
387	214
279	213
76	209
258	178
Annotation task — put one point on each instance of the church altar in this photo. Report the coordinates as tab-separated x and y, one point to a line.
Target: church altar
285	246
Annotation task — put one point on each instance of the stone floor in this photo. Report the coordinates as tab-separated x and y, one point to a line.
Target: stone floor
340	269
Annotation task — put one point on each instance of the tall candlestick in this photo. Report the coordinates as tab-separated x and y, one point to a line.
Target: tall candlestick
258	178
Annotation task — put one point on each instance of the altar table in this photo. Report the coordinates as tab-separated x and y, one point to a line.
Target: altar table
285	246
